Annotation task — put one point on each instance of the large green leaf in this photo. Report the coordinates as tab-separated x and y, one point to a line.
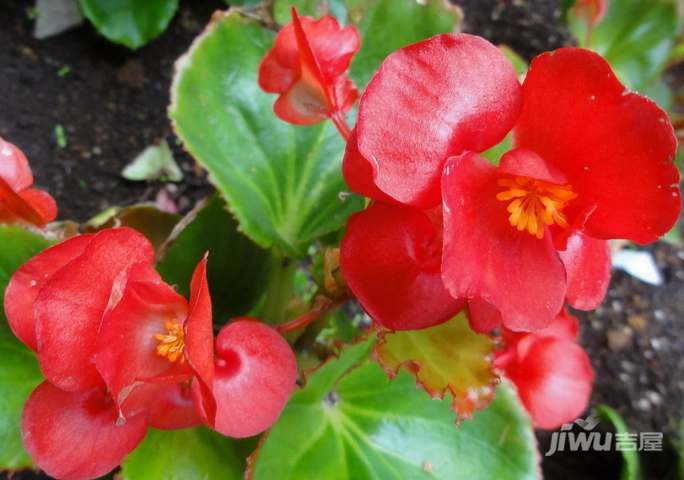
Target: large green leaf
191	453
237	269
281	181
19	372
388	25
132	23
363	426
636	37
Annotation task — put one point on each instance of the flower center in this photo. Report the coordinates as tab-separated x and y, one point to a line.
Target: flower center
534	202
172	344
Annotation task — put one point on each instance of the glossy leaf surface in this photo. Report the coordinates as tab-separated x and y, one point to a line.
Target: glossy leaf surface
184	454
282	182
363	426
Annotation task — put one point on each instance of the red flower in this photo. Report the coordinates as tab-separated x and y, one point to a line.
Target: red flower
255	374
121	350
552	373
306	67
591	162
17	201
109	335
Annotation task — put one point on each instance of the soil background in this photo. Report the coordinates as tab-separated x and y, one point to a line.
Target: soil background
112	104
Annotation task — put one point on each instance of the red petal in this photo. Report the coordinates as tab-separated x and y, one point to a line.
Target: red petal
391	259
587	264
255	375
199	339
69	308
14	167
27	281
173	409
615	147
126	352
42	203
274	77
358	172
75	436
13	207
484	256
553	379
430	101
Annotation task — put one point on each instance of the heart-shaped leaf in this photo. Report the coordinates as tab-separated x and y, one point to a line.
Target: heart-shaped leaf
363	426
282	182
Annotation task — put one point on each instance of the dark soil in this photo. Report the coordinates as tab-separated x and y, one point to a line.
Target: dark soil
112	104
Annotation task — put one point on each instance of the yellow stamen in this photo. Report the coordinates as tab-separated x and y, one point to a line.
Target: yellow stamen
172	344
535	203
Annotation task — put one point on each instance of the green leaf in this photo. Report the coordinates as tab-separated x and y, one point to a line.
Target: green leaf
191	453
449	357
636	37
132	23
363	426
631	469
388	25
19	372
17	246
19	375
282	9
281	181
237	269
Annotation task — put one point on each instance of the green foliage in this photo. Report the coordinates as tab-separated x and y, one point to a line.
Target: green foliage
131	23
351	422
19	372
184	454
282	182
231	257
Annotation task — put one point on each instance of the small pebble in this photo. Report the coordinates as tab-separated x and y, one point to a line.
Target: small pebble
617	339
637	322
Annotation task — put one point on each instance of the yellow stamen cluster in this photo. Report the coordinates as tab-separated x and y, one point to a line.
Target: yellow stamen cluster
172	344
534	202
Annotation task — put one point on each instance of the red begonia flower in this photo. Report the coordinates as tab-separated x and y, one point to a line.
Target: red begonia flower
255	375
307	68
591	160
75	435
391	257
430	101
141	342
590	163
17	201
552	373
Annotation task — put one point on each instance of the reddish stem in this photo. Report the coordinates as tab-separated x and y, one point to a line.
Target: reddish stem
321	306
341	124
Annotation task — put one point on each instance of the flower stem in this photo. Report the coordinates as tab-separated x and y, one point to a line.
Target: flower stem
341	124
